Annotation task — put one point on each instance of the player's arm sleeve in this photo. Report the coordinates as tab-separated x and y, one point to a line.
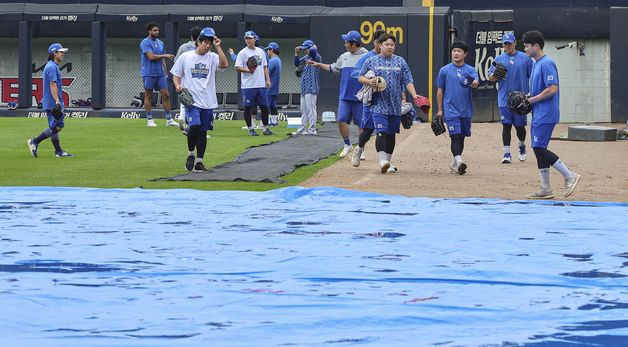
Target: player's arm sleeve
297	60
177	68
358	66
50	75
146	47
550	75
365	67
336	67
441	79
406	75
239	62
474	74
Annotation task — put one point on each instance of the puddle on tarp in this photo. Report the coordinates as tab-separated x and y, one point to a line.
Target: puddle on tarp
308	267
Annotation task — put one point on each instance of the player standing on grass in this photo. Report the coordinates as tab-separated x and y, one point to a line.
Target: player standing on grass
310	86
386	104
349	107
366	124
196	71
274	71
154	73
186	47
251	63
544	98
52	102
511	71
454	84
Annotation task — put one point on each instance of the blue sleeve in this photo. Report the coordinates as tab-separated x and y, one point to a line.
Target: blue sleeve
233	56
441	79
406	75
492	68
550	74
297	60
318	58
51	75
146	47
272	66
365	68
358	66
473	73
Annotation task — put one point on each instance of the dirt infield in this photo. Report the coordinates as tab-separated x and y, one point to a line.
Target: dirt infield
423	161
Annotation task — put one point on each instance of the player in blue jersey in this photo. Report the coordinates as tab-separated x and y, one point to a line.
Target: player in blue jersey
367	119
349	107
154	73
274	70
386	104
52	97
519	68
455	81
310	86
544	98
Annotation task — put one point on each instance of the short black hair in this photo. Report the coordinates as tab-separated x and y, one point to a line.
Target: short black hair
461	45
274	50
202	38
385	37
151	25
357	43
378	33
194	32
534	36
51	56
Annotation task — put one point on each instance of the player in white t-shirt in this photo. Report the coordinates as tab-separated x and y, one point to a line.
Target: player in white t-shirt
251	62
196	71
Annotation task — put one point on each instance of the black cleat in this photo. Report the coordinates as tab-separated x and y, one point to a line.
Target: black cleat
189	163
199	167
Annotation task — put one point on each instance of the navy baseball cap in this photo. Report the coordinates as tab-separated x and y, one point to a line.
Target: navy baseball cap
56	47
307	44
251	34
508	38
208	32
273	45
352	36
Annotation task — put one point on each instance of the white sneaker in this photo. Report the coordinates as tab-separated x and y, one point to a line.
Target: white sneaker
384	166
172	123
357	154
362	156
181	122
570	184
151	123
245	127
345	151
541	194
453	169
392	169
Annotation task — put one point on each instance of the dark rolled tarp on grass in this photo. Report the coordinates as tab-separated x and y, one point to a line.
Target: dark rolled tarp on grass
267	163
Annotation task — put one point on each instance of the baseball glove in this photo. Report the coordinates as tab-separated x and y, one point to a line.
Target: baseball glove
251	64
381	84
57	112
438	126
500	71
518	102
185	98
423	103
406	115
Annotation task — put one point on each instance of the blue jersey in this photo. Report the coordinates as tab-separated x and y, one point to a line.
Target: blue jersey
358	65
349	86
457	101
519	67
274	70
51	74
151	67
545	74
311	74
397	74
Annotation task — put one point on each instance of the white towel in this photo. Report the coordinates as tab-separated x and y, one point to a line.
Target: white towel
365	94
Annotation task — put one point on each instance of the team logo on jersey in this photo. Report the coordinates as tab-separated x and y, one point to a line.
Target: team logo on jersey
451	128
511	61
200	70
258	59
536	139
550	77
458	74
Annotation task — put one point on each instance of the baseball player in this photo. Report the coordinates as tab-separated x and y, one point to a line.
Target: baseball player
196	71
186	47
349	107
513	73
310	86
154	73
366	124
252	64
274	71
454	84
544	98
386	104
52	102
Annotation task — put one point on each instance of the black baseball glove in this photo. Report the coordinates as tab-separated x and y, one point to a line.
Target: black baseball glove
518	102
251	64
406	120
438	126
185	98
57	112
500	71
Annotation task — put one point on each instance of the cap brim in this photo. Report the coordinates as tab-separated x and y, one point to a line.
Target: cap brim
63	50
304	47
508	41
249	37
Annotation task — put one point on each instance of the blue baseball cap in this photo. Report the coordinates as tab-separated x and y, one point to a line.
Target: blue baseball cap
352	36
208	32
251	34
273	45
508	38
56	47
307	44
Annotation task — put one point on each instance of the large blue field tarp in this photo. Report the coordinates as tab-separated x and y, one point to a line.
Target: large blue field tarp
307	267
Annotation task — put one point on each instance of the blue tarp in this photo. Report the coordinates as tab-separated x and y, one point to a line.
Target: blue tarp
307	267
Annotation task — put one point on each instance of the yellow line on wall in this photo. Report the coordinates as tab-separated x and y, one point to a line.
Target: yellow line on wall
430	53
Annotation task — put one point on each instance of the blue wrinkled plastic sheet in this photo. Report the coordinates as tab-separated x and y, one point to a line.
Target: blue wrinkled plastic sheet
307	267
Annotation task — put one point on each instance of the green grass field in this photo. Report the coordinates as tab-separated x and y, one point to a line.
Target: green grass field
124	153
